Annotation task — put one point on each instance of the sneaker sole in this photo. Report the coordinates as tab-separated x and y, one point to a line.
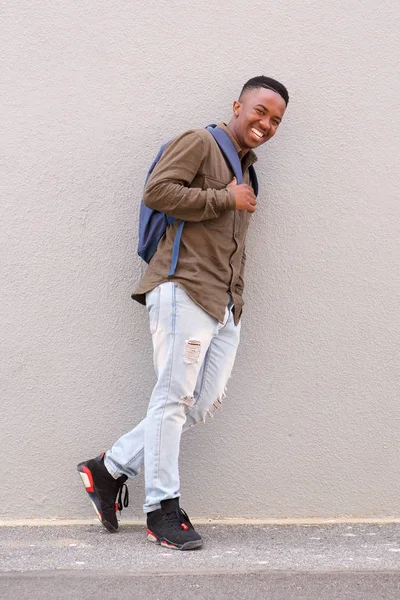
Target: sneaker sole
167	544
87	480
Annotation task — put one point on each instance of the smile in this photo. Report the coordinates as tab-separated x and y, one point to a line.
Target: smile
257	133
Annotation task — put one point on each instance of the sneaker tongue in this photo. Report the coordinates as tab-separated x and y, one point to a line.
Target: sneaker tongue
170	506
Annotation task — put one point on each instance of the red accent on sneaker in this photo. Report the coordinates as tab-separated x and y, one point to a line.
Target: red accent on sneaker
167	545
184	526
88	473
149	532
116	507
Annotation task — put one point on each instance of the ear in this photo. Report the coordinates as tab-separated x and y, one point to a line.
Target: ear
236	108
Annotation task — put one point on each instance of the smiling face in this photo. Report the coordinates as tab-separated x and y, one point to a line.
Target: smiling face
256	117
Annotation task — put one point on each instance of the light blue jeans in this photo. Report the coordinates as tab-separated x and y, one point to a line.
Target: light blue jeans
193	358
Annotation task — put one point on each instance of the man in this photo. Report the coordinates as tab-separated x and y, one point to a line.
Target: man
194	315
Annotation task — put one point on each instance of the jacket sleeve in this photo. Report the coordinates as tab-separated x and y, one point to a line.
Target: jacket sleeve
167	188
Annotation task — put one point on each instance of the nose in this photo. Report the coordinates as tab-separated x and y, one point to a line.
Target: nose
265	124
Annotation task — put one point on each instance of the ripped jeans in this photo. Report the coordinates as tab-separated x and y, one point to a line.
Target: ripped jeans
193	358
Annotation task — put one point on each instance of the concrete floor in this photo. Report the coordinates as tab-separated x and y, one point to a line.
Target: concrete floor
329	562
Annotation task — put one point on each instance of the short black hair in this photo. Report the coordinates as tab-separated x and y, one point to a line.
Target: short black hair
266	82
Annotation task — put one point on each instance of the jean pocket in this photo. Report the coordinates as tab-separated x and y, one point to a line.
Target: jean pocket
153	308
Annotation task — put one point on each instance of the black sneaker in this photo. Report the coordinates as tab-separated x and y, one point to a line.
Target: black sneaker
104	491
170	527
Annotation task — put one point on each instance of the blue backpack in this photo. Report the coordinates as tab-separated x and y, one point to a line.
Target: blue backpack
153	224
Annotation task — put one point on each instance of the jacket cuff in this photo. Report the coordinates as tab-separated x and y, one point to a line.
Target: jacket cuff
230	201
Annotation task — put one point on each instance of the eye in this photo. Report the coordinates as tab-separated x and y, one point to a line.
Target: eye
259	111
276	123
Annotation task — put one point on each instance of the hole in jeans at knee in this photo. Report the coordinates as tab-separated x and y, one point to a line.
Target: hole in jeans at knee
215	405
187	401
192	351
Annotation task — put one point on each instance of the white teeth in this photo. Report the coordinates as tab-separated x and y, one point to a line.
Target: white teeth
258	133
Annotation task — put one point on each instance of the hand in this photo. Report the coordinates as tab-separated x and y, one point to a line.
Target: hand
244	196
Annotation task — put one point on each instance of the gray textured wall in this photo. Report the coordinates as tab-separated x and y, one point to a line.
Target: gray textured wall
90	90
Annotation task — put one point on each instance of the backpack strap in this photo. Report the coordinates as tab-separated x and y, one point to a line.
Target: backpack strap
254	180
175	247
178	235
229	151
